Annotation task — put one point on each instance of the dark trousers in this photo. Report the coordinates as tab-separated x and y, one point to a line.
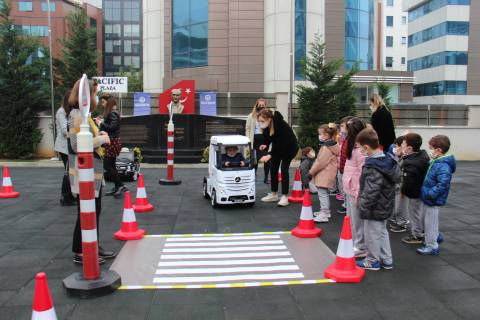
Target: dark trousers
258	140
109	166
77	232
284	163
67	195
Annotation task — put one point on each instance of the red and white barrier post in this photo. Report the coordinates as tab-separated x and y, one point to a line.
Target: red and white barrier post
170	151
92	282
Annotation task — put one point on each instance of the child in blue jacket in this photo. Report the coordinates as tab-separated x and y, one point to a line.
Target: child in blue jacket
435	190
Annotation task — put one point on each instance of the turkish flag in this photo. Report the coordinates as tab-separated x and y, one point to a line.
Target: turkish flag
187	98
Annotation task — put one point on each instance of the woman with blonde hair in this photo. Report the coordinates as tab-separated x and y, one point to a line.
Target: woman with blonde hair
255	134
382	121
99	138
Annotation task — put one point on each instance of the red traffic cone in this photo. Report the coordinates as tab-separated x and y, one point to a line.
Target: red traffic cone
280	175
306	226
7	186
141	202
297	196
42	308
129	230
344	269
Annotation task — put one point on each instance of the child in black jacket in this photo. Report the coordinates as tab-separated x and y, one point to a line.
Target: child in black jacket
376	200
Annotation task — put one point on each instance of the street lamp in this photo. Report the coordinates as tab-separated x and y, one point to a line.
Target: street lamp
51	70
292	65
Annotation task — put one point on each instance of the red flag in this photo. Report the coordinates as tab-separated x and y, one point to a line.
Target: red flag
187	97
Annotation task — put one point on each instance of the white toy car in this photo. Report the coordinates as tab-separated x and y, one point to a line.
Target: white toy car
231	171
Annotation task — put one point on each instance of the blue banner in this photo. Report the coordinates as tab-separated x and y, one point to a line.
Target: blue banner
208	103
141	104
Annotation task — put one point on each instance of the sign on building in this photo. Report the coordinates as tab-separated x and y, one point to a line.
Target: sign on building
112	84
208	103
141	104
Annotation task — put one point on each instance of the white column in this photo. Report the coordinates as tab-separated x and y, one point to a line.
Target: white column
153	45
315	21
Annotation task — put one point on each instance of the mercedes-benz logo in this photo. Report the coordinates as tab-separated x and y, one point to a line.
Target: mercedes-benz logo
237	179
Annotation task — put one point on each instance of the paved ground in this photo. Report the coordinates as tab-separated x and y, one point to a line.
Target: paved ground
35	235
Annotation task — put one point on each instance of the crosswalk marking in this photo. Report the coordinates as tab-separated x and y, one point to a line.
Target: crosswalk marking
230	249
225	270
190	239
224	262
296	275
220	244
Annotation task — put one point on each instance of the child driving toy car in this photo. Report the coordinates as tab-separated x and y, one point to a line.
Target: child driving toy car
232	158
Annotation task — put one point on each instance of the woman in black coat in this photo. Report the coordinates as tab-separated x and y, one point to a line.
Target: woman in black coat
382	121
284	148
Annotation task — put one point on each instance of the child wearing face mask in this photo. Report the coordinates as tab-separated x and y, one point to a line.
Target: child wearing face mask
435	189
414	167
342	141
308	158
324	169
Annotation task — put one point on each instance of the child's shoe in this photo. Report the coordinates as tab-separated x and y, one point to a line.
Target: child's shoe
387	266
440	238
412	240
426	251
364	264
326	213
283	201
270	198
359	254
340	197
321	217
396	228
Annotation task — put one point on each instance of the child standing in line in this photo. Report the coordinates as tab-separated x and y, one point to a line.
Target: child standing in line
435	189
308	158
342	140
376	200
324	169
399	220
351	184
414	167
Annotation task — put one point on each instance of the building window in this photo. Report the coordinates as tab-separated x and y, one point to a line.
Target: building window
440	88
389	3
117	60
112	11
403	60
113	31
131	46
189	33
389	21
389	41
459	28
131	30
404	20
389	62
404	40
25	6
45	6
131	11
359	34
439	59
300	38
433	5
113	46
34	31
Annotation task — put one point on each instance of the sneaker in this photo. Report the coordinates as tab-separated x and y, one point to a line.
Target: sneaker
440	238
270	198
283	201
324	213
426	251
321	218
386	266
340	197
359	254
395	228
412	240
364	264
78	259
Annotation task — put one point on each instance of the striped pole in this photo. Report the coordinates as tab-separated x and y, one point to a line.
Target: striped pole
170	155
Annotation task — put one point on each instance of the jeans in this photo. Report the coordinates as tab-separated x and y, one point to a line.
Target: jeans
110	167
284	163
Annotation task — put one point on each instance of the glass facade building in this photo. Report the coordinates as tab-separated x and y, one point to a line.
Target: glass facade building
359	33
439	59
122	36
189	33
440	88
457	28
433	5
300	38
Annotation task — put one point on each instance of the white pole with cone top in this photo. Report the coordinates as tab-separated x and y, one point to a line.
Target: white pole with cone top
170	151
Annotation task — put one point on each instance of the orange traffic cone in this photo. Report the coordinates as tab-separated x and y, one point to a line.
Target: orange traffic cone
129	230
297	196
306	226
280	175
344	268
42	308
7	186
141	202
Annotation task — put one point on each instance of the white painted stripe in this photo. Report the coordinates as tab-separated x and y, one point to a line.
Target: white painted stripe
229	249
224	262
141	193
7	182
170	139
170	162
293	275
128	215
220	244
44	315
297	185
170	150
224	255
86	175
226	270
89	235
87	205
306	213
216	238
345	249
216	234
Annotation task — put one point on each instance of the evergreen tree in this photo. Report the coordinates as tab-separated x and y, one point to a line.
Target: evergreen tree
24	88
79	54
327	98
135	79
384	91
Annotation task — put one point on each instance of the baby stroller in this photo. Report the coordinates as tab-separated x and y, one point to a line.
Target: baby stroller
127	164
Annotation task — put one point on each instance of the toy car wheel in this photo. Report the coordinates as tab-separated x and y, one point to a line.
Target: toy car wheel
213	200
250	204
205	193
